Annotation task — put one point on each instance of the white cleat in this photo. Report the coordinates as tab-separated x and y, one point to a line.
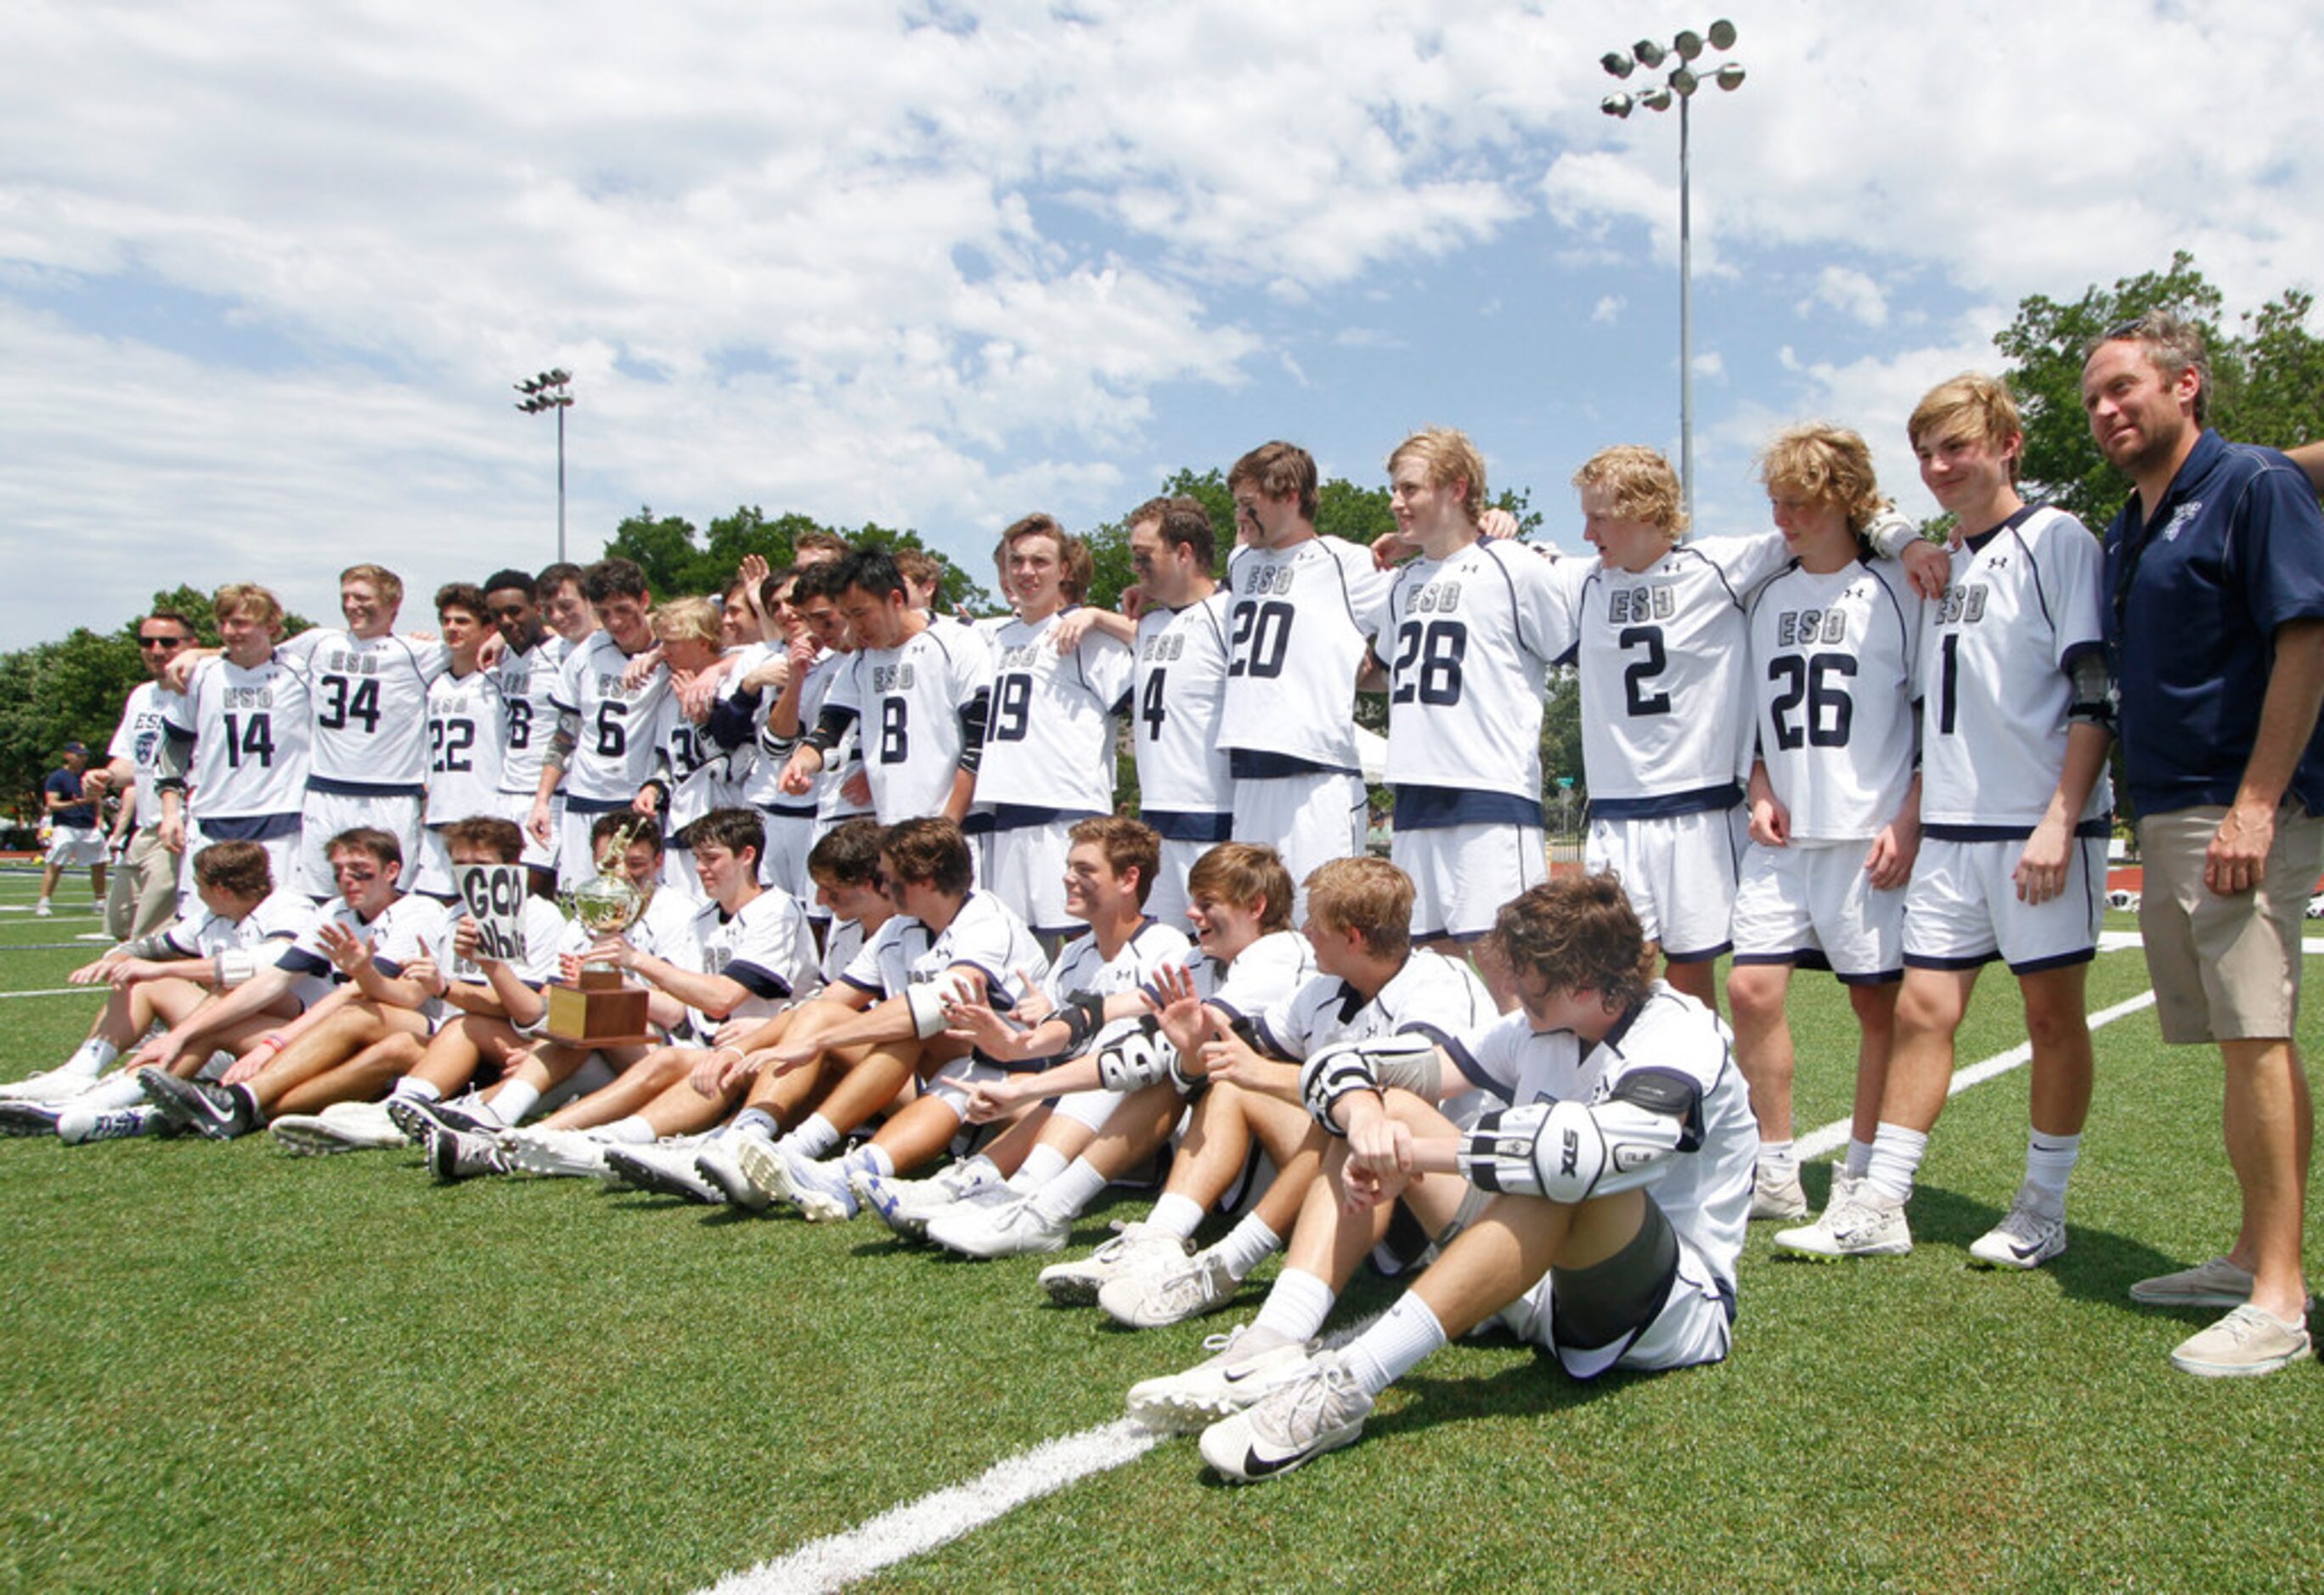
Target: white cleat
1320	1410
716	1162
2032	1233
572	1154
78	1126
1861	1223
1187	1289
667	1169
1246	1362
906	1206
1137	1249
817	1188
997	1230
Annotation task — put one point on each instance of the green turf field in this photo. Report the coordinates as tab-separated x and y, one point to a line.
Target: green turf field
225	1369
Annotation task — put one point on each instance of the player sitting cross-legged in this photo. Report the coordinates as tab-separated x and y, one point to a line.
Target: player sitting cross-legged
1616	1174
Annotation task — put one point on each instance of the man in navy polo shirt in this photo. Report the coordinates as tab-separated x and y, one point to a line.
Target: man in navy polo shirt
2214	577
76	838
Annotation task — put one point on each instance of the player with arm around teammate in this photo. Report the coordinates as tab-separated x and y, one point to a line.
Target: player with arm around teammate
1835	801
1616	1175
2016	715
1371	986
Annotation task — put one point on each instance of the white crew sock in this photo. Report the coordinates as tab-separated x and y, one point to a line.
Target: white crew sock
1297	1306
1398	1341
873	1159
815	1137
119	1092
1860	1158
1063	1198
631	1131
1176	1215
1041	1165
1246	1246
92	1057
755	1121
1896	1154
413	1089
2048	1159
1779	1161
512	1101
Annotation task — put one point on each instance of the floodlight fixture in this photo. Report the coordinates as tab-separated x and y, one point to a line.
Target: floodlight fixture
1616	63
1649	53
1684	80
1657	98
1723	34
1687	45
547	391
1616	105
1729	77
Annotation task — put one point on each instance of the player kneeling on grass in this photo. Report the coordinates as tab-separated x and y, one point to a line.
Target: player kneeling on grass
1373	989
1618	1174
166	977
483	1000
371	946
746	955
948	942
1109	1108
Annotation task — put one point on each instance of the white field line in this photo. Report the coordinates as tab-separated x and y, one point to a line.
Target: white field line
52	992
839	1560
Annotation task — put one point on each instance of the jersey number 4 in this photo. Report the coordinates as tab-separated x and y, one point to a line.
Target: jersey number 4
252	740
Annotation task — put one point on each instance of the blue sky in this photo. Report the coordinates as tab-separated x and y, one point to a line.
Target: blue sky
266	272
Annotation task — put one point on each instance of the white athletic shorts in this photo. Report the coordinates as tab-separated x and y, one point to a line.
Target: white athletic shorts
518	807
1462	874
952	1083
281	858
328	814
75	846
1025	867
1813	903
575	861
1309	819
431	873
1168	901
1962	909
1679	872
790	837
1696	1324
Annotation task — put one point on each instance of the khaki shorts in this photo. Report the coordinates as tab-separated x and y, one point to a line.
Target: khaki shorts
2224	968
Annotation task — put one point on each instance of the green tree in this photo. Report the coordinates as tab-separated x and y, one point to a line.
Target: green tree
676	562
2267	378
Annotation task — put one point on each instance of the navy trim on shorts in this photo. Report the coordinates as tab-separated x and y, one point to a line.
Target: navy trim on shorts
249	828
2061	961
1437	808
1189	825
2084	831
1975	961
1667	806
596	805
1258	764
1886	977
1704	957
1026	816
324	783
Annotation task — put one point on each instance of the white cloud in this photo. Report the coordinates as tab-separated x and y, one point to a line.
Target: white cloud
1609	308
1851	292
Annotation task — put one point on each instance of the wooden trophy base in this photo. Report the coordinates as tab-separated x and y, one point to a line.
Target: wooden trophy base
599	1009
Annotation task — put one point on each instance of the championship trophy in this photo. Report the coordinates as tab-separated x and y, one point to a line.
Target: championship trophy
601	1007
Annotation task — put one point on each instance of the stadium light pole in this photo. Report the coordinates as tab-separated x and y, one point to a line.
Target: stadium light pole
1679	84
548	391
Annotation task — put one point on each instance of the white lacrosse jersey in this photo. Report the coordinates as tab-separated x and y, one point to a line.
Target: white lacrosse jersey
1432	995
1705	1188
138	739
1265	973
404	929
765	947
1185	789
467	737
752	772
700	773
282	916
1299	621
619	729
1468	642
545	929
827	802
370	702
1048	729
1666	720
841	941
1082	969
528	684
250	731
985	935
2019	603
1834	674
906	702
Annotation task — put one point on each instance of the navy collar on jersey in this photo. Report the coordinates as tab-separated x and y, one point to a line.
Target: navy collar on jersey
2025	512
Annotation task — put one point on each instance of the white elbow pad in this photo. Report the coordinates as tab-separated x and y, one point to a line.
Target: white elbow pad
233	967
1137	1060
927	999
1570	1152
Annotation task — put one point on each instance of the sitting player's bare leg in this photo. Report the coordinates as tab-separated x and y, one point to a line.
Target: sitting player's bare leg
363	1078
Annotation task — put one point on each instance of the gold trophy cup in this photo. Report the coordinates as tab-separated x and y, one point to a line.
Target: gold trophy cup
601	1007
